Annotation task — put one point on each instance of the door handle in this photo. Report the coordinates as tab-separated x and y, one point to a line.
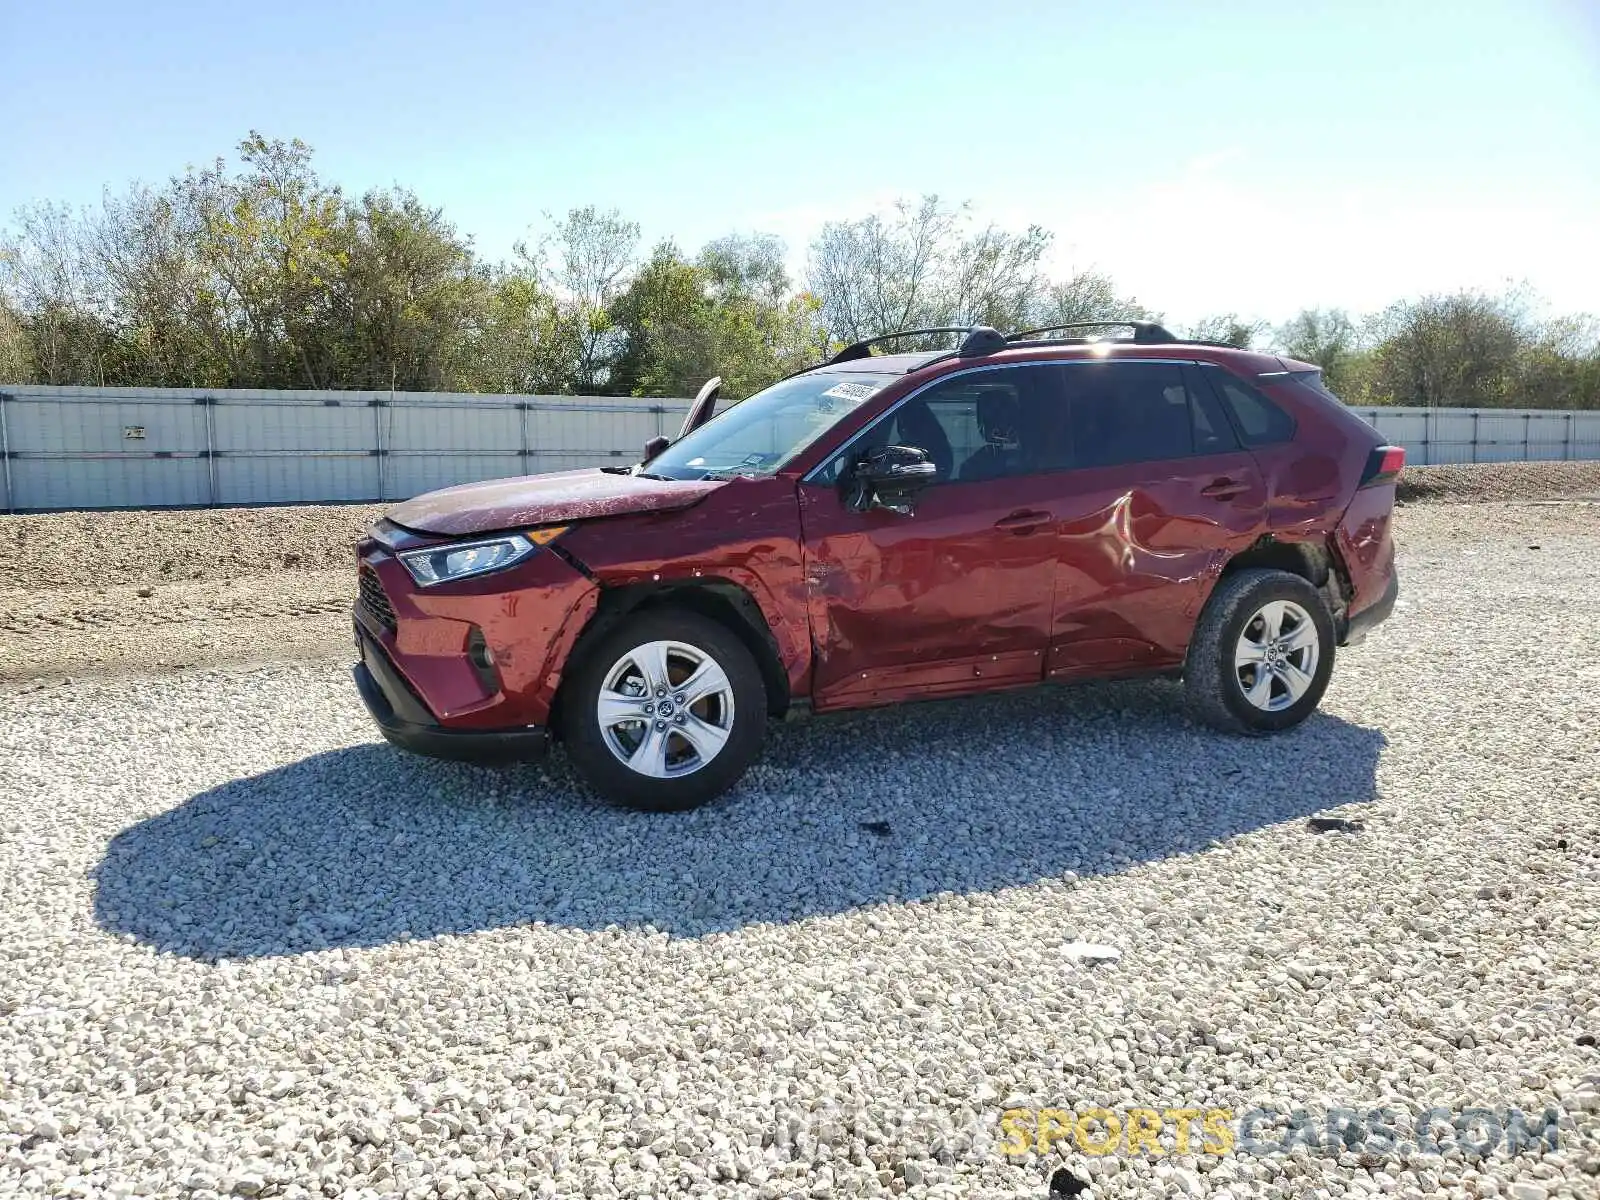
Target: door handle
1225	488
1023	520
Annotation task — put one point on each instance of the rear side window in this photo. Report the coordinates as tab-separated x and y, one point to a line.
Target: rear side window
1128	412
1314	381
1260	421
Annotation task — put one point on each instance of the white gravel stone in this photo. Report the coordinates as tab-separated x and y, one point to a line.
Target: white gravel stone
246	948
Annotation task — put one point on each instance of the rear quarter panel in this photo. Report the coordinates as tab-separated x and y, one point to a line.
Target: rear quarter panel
1366	543
1313	486
1310	480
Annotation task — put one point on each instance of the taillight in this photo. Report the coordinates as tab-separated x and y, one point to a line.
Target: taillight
1383	465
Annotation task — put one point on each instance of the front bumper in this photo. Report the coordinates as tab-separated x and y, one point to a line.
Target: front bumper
1374	614
405	721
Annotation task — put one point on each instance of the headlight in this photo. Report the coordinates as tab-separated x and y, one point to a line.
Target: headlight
462	560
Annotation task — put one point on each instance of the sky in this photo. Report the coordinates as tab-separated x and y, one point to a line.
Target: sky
1231	156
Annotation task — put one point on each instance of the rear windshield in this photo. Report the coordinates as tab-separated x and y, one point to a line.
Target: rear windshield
760	435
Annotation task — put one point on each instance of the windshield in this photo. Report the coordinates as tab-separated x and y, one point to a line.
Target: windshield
759	435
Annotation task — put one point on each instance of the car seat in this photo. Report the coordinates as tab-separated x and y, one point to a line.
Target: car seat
1000	455
917	426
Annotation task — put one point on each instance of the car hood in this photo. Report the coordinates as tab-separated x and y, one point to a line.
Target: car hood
549	499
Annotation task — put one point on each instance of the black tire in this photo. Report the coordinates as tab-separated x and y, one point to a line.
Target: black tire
591	751
1215	684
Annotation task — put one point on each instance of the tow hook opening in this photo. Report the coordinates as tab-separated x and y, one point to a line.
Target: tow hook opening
482	659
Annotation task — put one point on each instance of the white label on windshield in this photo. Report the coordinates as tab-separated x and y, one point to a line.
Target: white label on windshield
852	390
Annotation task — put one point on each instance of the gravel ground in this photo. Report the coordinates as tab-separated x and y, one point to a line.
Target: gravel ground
247	949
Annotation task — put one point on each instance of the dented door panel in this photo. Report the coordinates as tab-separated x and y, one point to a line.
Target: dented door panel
1140	547
936	603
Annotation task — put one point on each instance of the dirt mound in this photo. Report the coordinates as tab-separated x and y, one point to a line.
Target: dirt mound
1500	481
86	549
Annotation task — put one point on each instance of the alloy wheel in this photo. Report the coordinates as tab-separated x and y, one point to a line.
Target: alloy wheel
665	709
1275	660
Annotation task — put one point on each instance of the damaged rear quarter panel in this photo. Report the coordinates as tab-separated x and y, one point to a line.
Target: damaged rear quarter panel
1312	487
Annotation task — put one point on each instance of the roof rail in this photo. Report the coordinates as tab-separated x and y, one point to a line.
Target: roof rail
1145	333
980	339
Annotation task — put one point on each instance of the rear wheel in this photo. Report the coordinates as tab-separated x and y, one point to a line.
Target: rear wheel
1261	654
666	712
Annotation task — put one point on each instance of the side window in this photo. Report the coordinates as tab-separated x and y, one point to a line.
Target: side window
1128	412
1260	421
983	425
1213	434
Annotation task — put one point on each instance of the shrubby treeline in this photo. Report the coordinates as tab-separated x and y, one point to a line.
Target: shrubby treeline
262	274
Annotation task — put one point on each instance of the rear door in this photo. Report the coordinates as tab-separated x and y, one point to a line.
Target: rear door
1158	495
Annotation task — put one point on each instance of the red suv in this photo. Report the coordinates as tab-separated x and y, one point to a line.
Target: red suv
885	527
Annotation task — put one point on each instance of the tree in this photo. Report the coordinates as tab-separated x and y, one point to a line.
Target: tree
517	343
879	274
266	242
1329	339
48	279
406	295
1561	368
1460	350
16	365
924	265
997	278
145	249
1228	328
662	317
256	272
768	330
1086	296
745	268
584	262
729	313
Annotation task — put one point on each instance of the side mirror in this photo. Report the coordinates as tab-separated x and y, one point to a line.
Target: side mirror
654	447
889	478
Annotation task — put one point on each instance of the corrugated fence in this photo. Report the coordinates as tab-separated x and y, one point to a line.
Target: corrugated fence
1434	436
145	448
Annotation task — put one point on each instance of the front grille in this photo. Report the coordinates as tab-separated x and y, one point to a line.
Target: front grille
375	599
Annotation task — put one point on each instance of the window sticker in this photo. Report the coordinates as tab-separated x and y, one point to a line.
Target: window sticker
850	390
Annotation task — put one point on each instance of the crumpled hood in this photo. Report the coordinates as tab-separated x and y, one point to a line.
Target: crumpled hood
527	500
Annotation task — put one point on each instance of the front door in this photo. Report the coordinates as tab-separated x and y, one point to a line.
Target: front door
957	596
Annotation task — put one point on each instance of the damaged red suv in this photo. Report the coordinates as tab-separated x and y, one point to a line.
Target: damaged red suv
1020	510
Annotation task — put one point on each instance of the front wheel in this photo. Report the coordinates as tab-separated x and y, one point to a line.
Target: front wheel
1261	654
666	712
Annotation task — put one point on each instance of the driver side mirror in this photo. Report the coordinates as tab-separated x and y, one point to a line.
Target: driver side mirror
889	478
655	446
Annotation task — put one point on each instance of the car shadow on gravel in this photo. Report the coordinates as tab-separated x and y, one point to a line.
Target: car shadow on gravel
366	845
